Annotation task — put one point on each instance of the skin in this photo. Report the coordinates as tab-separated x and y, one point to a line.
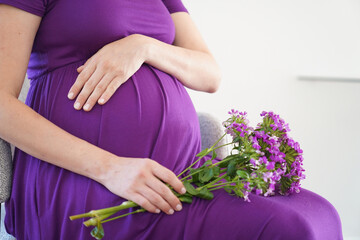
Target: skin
189	60
140	179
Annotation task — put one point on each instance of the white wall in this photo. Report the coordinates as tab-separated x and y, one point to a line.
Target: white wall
263	47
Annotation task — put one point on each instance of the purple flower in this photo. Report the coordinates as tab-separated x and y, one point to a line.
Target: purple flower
274	150
277	174
254	162
263	160
270	165
256	146
258	191
297	147
253	175
270	151
263	113
267	176
269	192
247	185
246	196
233	112
295	187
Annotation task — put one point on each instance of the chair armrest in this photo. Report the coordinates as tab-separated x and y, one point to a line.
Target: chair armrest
5	170
211	130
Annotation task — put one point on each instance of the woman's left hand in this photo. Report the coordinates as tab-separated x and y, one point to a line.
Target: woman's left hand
104	72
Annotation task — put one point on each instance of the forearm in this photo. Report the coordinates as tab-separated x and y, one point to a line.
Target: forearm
37	136
194	69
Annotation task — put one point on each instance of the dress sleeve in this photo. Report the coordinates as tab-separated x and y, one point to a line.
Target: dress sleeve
36	7
174	6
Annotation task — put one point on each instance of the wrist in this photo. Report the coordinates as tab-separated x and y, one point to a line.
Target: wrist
146	46
103	165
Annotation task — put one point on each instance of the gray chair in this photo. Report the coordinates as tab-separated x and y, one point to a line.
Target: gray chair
210	128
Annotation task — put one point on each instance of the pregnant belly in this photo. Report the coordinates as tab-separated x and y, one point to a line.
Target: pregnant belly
150	115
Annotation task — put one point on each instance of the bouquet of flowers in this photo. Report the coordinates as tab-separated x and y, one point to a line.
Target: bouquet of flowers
262	159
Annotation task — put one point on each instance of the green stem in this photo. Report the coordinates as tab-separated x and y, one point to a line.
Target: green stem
84	215
223	145
214	181
95	213
209	150
221	184
216	188
221	171
222	161
218	141
190	175
193	163
94	221
124	215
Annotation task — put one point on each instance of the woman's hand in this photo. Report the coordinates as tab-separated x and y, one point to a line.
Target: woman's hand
104	72
139	180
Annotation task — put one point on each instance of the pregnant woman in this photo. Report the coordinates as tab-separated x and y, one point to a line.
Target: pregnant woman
107	118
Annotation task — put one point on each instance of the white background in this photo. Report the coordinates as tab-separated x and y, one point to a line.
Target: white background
263	48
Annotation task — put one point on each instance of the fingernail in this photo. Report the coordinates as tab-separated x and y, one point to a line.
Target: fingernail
183	190
157	210
101	100
178	207
87	106
77	105
171	211
70	95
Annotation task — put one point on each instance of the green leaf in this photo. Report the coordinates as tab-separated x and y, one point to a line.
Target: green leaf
231	169
190	188
289	159
225	162
238	192
206	175
98	231
205	194
199	184
185	198
285	184
207	163
195	177
242	174
214	155
228	189
203	153
237	139
216	170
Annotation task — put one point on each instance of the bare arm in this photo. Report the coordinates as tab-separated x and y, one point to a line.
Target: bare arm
22	126
37	136
188	59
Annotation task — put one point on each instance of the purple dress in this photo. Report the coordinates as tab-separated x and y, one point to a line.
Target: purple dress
152	116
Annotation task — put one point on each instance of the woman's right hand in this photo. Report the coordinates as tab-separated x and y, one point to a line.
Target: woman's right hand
139	180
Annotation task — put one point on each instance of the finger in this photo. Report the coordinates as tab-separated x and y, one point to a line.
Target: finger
110	90
88	61
80	81
98	91
169	177
165	192
88	88
155	199
79	69
143	202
